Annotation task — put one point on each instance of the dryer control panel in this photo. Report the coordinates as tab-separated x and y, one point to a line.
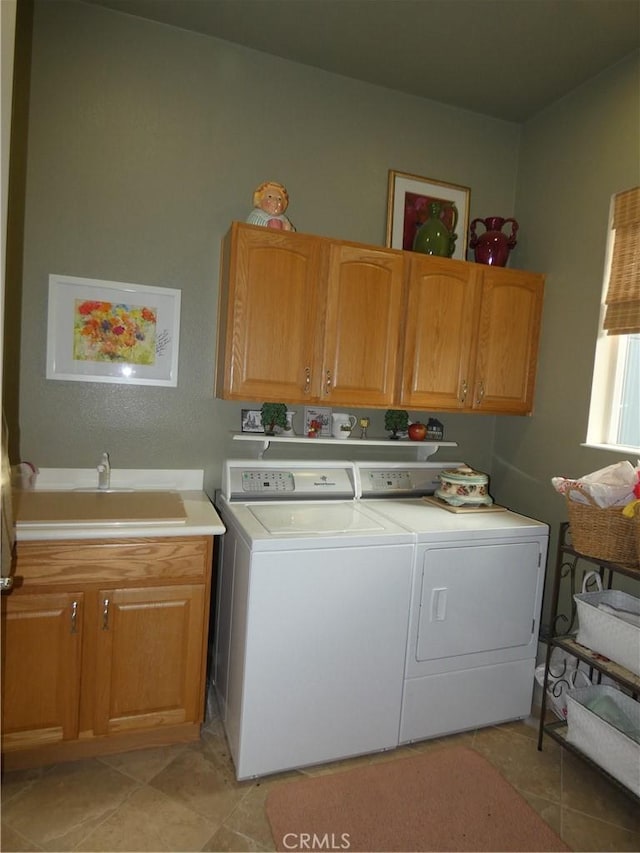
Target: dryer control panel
399	479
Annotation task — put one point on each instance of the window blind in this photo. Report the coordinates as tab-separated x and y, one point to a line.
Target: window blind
622	315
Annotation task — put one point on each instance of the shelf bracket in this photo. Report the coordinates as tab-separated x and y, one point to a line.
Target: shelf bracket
262	449
425	451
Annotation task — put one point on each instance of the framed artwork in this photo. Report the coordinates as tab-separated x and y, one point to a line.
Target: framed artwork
252	420
110	331
408	202
318	414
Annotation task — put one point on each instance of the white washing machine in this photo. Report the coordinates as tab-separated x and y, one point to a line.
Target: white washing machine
475	608
312	616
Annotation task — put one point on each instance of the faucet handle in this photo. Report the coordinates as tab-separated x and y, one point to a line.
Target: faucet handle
104	472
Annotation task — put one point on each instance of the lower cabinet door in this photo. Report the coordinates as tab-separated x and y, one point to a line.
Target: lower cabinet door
149	658
41	658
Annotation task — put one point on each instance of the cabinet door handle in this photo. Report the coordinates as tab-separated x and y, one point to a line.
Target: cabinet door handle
105	614
480	396
327	384
307	380
463	391
74	617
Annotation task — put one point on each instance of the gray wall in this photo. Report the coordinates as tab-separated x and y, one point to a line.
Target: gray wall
147	141
573	157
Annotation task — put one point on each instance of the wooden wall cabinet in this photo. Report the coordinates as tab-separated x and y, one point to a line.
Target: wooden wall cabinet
272	297
363	321
305	319
104	647
472	337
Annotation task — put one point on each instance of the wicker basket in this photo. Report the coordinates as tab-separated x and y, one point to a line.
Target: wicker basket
605	534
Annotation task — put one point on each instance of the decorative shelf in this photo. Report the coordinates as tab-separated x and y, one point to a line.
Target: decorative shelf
424	449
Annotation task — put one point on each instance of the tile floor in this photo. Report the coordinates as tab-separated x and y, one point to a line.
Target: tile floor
186	798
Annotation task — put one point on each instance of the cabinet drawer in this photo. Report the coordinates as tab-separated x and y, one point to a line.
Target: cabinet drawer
99	561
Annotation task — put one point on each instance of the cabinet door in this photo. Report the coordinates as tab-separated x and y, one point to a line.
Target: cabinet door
442	306
41	657
149	648
363	319
269	315
508	335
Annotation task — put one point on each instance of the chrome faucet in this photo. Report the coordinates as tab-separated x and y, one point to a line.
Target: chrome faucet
104	472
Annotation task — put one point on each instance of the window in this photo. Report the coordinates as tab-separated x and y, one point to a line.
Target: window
614	417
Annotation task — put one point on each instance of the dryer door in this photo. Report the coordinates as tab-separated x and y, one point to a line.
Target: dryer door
477	598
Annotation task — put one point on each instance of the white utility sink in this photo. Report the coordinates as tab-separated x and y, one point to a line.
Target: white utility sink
102	491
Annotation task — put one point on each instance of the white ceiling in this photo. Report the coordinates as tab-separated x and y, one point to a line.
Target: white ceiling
504	58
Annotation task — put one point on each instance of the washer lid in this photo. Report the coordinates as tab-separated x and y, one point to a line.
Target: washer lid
313	518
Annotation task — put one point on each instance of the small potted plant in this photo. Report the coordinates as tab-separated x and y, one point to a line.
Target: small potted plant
396	420
273	415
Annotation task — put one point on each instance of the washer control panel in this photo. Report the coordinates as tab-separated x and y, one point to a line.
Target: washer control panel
243	480
267	482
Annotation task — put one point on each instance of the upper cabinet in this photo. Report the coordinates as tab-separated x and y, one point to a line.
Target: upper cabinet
305	319
363	319
272	297
508	337
471	337
443	301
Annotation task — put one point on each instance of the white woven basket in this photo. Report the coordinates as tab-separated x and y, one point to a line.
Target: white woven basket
604	632
614	750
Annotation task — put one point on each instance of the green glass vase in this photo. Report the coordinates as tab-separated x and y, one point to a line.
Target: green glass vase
436	235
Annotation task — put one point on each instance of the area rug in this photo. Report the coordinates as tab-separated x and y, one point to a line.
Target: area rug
446	799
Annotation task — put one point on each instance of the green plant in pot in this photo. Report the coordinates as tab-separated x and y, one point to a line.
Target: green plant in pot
396	420
273	415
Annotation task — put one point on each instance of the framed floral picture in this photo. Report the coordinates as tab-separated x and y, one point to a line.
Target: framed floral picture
108	331
321	414
409	198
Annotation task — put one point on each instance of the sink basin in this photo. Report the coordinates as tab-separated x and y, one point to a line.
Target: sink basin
102	491
99	507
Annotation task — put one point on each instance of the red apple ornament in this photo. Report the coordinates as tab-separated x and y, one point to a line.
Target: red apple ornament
417	431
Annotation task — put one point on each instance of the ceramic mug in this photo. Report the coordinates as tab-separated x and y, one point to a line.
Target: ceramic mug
342	424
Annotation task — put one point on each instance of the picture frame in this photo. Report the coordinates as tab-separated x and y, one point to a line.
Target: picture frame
251	420
321	414
407	204
111	331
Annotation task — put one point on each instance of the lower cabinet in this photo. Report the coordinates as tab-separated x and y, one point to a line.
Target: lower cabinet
104	647
148	656
41	662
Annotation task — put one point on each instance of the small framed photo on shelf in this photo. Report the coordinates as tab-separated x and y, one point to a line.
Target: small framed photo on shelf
252	420
323	415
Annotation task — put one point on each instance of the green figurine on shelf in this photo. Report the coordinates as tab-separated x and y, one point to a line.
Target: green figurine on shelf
270	200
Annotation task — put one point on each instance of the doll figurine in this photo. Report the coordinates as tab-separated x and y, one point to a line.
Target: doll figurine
270	200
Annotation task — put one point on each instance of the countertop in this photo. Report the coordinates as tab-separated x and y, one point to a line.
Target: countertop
201	517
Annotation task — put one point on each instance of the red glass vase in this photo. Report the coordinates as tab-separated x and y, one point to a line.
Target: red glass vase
493	246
